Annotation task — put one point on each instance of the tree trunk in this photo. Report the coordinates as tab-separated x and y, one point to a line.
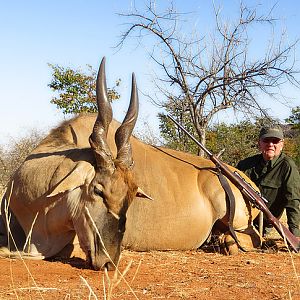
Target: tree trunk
202	137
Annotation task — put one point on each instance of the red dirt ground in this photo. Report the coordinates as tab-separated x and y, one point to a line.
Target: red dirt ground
158	275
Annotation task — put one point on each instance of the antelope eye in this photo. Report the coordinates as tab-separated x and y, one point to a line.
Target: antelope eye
98	192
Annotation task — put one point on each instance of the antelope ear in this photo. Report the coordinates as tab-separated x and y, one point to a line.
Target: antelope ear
82	173
140	193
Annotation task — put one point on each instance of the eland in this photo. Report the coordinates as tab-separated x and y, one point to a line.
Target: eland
65	188
70	185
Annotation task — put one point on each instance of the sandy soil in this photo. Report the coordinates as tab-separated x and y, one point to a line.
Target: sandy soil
158	275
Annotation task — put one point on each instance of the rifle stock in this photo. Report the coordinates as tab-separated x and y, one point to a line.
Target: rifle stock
248	191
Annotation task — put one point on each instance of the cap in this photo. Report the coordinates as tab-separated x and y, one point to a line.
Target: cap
274	131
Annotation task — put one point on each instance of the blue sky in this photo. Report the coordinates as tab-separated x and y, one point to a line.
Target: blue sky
74	33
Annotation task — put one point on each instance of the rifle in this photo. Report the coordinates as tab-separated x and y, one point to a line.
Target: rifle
248	191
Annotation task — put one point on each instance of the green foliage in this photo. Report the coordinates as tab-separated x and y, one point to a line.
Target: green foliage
76	89
294	140
236	141
294	118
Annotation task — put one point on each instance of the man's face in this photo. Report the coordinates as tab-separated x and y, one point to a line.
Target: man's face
270	147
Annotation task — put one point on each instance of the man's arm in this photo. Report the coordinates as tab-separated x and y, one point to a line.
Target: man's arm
293	199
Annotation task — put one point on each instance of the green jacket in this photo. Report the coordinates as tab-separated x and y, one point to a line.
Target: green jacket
279	182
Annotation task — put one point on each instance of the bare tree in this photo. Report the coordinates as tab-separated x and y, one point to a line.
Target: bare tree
205	75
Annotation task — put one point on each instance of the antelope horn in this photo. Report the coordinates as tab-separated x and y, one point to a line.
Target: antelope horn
97	139
122	136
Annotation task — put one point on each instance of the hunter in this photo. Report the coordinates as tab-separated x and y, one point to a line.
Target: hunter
277	177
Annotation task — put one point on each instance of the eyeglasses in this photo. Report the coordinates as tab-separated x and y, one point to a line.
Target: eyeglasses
274	141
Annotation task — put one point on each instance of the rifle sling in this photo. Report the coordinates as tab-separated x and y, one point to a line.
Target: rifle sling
230	201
